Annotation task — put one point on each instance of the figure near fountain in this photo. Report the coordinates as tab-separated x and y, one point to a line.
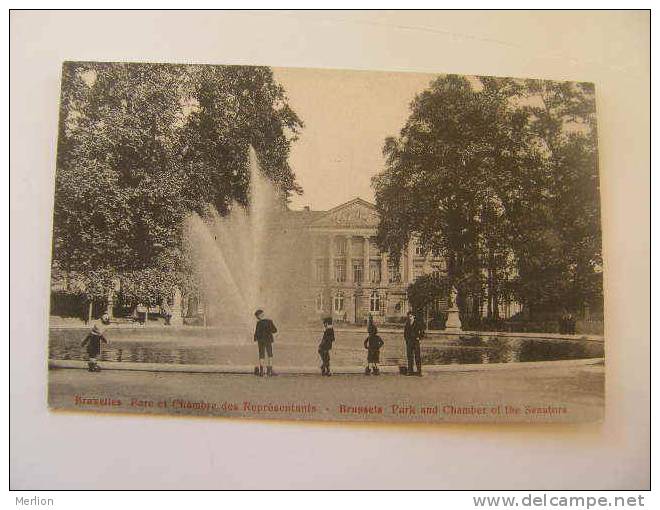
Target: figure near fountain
453	323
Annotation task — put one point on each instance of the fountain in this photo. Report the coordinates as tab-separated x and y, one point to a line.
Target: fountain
249	259
259	257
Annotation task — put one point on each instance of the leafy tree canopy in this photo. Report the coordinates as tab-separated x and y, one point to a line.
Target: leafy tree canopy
501	176
142	145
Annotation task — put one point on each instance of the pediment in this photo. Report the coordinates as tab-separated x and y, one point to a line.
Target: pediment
357	213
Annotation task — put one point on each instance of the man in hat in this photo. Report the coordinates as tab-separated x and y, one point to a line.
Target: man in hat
412	332
93	342
263	335
326	345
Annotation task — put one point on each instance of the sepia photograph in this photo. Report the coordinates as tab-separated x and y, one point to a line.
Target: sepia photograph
308	244
366	250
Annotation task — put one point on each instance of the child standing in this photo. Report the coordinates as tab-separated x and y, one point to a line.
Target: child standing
93	343
326	346
263	335
373	343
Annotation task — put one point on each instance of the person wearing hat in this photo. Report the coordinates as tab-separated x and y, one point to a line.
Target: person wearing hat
326	346
412	332
93	343
263	335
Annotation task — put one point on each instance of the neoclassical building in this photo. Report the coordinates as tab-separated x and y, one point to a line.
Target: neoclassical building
350	277
327	264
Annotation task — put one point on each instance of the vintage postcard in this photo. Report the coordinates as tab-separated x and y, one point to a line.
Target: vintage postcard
307	244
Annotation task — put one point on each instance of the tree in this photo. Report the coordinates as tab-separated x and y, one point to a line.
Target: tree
425	291
561	260
440	182
142	145
232	107
487	172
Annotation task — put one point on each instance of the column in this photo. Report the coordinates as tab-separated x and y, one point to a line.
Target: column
384	269
177	315
349	261
402	268
411	263
428	267
111	303
314	257
350	307
367	274
331	247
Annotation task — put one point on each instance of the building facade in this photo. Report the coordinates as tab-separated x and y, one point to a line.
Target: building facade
350	278
323	264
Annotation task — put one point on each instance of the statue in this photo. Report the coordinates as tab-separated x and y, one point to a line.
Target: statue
176	311
176	302
453	294
453	323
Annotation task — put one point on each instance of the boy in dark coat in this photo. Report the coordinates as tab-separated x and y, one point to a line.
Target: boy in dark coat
326	346
93	343
263	335
370	324
373	343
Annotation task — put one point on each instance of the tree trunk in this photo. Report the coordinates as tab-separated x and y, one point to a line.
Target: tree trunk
90	307
111	301
489	303
489	298
476	306
493	309
496	299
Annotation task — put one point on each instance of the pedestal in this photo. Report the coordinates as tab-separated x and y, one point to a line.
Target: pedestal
453	320
350	309
177	317
110	306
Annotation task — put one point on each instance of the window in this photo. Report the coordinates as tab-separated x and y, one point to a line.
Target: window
437	269
340	271
319	302
419	251
374	302
374	271
394	275
418	270
401	306
358	270
339	302
341	246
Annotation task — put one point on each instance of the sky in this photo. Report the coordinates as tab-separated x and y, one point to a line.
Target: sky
347	116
